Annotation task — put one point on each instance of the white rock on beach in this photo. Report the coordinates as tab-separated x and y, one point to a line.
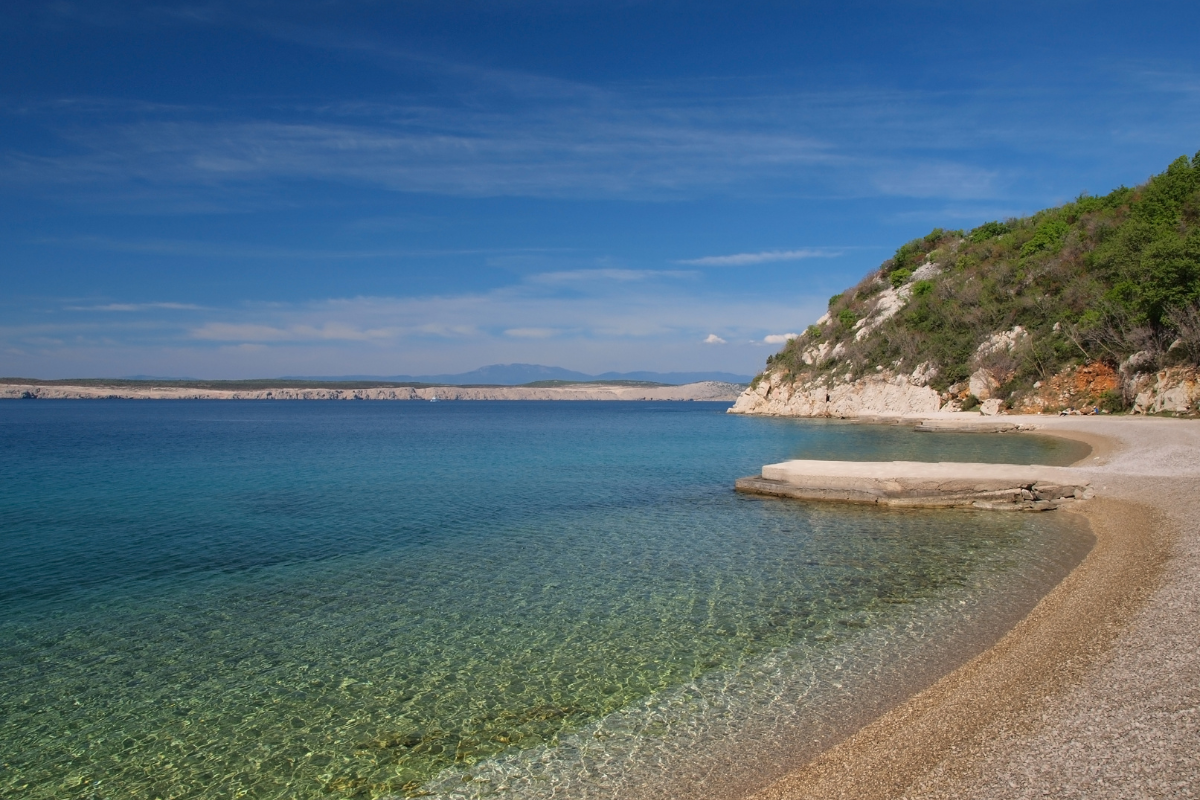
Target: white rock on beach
982	384
991	407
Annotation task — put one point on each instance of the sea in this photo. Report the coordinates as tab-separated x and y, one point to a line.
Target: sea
220	599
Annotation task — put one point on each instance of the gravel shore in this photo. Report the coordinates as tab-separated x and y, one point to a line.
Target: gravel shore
1097	693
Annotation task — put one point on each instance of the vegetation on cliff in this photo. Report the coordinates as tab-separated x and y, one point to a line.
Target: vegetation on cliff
1113	279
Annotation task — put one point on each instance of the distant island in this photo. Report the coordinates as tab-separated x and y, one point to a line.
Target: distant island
494	382
1092	305
296	389
525	374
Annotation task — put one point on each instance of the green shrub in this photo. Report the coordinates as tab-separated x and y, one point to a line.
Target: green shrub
1048	236
922	288
900	277
834	299
966	261
1112	401
988	230
847	318
906	255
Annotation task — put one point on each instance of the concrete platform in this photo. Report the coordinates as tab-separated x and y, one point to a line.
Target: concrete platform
914	484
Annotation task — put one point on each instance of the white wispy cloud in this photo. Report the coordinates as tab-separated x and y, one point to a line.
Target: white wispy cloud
489	132
329	331
567	139
779	338
763	257
138	307
530	333
550	153
597	326
203	249
938	179
440	330
616	275
967	215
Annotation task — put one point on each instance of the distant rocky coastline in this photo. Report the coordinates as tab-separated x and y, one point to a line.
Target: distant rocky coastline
704	391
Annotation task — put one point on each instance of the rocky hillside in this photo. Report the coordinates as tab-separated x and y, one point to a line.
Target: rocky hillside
1093	303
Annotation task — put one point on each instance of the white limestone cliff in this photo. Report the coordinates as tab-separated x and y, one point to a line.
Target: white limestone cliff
1172	390
884	392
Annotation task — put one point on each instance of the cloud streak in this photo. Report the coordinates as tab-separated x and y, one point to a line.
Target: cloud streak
132	307
200	249
779	338
561	154
513	135
597	325
328	331
530	333
564	141
750	259
612	275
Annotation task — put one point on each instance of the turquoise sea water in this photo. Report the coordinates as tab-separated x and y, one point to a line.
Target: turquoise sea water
305	600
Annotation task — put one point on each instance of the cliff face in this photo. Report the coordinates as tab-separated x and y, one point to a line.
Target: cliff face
1174	390
882	393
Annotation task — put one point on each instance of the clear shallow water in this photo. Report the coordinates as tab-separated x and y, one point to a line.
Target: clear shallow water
387	599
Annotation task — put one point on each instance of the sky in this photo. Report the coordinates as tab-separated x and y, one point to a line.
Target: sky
325	187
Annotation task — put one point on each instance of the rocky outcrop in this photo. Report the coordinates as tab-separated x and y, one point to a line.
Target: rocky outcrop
982	384
886	305
1174	390
1082	388
991	407
882	393
705	390
1001	342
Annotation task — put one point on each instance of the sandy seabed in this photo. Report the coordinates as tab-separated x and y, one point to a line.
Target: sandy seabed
1095	694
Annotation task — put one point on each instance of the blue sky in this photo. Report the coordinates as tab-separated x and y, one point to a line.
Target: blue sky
245	189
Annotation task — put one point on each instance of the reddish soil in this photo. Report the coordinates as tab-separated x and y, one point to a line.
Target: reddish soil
1073	388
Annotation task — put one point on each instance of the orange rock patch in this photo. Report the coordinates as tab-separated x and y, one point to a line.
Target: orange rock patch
1073	388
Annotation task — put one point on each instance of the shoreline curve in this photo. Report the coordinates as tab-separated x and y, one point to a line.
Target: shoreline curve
974	732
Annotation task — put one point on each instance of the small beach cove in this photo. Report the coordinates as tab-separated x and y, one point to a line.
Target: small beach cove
560	634
1094	693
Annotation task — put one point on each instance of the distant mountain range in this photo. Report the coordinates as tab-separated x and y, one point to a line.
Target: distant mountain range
519	374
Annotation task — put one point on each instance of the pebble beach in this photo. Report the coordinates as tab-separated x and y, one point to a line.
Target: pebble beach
1097	692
